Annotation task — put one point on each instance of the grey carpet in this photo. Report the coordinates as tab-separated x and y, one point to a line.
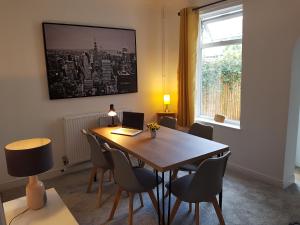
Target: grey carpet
245	202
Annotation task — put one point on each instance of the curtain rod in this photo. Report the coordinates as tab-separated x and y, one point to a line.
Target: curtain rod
204	6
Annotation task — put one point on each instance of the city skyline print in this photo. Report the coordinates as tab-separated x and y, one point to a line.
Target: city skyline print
85	61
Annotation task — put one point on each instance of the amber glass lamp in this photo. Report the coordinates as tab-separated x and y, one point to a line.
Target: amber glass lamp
167	101
29	158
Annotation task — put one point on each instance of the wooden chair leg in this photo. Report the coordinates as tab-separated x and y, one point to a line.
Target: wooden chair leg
92	175
197	213
175	208
153	199
141	199
154	202
116	202
100	187
131	195
218	211
174	175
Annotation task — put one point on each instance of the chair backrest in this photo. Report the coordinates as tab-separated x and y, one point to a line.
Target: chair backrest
207	182
202	130
123	172
167	121
97	151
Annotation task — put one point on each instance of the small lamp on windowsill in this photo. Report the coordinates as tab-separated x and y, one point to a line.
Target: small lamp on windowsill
112	113
29	158
167	101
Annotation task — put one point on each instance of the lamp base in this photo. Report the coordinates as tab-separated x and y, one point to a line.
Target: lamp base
35	193
166	109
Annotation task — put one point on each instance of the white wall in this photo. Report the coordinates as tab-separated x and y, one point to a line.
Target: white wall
26	110
271	28
171	29
293	134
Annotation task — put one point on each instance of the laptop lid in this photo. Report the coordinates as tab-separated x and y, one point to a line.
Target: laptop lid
133	120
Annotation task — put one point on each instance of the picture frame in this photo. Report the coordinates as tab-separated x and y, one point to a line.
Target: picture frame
84	61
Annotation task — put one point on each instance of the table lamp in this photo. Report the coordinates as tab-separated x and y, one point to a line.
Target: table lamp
167	101
29	158
112	113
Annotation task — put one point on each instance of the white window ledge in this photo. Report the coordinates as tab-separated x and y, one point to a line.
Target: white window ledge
212	122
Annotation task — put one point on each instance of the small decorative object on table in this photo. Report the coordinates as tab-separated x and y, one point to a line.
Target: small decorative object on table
153	127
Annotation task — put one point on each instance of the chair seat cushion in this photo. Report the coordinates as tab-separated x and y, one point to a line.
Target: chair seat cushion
180	186
188	167
146	178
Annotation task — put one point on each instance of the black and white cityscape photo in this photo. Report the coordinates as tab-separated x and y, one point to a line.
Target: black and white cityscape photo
89	61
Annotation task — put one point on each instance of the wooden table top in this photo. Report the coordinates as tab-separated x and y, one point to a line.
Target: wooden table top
169	150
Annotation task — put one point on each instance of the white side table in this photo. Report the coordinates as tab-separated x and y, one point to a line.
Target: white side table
54	212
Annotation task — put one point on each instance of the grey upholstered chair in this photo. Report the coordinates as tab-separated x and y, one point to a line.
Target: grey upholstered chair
101	161
167	121
203	131
202	186
132	180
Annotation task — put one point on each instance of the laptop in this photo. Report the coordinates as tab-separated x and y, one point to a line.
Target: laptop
132	124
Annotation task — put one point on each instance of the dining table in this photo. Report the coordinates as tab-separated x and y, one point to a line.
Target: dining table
169	150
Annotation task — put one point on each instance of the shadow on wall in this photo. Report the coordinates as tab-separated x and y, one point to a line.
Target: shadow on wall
292	152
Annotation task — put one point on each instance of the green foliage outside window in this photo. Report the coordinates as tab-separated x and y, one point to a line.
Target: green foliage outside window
226	67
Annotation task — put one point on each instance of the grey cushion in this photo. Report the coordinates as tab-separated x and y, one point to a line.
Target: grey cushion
180	188
189	167
146	178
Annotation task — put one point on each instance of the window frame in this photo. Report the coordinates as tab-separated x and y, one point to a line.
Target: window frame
214	16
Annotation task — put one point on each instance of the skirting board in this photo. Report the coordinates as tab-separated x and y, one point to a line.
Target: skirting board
17	182
259	176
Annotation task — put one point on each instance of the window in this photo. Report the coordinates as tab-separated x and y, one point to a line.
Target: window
219	65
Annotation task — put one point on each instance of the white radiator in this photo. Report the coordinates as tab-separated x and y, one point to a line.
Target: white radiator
76	146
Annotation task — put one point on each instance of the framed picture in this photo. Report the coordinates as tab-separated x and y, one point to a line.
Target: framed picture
87	61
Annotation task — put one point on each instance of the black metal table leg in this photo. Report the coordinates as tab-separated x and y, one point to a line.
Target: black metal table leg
169	203
163	197
157	196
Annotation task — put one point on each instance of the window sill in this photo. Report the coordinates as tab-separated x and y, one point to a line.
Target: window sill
212	122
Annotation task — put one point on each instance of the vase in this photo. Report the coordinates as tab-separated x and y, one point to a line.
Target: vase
153	133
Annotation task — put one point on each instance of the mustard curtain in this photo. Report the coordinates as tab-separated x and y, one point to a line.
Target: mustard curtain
186	73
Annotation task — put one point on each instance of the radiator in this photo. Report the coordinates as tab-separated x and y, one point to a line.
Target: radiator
76	146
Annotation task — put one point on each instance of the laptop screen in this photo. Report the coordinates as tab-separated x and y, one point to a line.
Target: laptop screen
133	120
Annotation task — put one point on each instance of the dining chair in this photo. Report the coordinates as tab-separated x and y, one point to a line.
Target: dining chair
105	121
167	121
202	186
199	130
101	161
132	180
